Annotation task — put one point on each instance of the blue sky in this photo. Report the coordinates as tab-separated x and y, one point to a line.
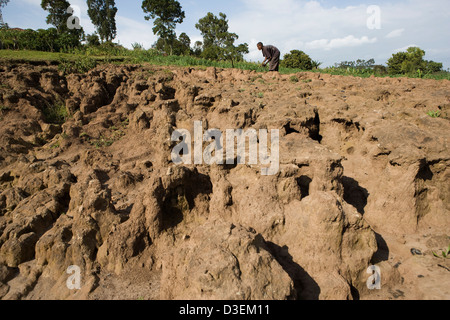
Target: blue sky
329	31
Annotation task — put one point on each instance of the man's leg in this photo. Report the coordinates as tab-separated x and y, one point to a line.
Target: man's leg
275	63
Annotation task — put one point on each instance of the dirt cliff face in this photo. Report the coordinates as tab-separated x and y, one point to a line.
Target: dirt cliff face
363	178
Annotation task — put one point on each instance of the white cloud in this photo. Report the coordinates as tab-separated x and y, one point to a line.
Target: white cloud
85	21
396	33
131	31
303	25
348	41
333	33
403	49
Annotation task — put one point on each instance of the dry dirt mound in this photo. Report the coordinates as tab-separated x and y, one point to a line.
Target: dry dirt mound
363	179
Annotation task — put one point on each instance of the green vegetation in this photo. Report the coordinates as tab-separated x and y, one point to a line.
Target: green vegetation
297	60
178	47
55	146
57	13
102	142
411	63
56	113
40	40
108	53
218	43
434	114
116	132
444	254
166	14
60	16
81	65
4	108
103	16
74	51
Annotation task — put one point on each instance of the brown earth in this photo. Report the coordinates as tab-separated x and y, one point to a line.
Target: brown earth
363	180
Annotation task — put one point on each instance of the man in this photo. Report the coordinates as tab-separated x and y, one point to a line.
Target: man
271	55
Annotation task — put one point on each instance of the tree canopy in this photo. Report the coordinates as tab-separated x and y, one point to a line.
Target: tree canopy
166	14
218	43
57	13
411	62
178	47
103	16
298	60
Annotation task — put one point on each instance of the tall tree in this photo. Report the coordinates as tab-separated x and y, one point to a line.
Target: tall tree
197	50
3	3
103	16
218	43
185	43
167	13
57	13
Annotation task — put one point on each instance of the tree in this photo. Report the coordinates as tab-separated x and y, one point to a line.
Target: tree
298	60
411	62
93	40
103	16
197	51
3	3
167	13
178	47
218	43
57	13
185	44
432	67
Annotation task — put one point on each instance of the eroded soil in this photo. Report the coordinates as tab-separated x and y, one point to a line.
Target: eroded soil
363	180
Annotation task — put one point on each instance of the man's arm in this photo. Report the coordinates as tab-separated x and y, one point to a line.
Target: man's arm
266	61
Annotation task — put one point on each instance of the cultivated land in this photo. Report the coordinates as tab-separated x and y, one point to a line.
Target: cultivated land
86	179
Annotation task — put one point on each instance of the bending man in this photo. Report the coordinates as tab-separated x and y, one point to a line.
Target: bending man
271	55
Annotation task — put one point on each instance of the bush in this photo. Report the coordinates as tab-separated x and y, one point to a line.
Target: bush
93	40
56	113
412	63
380	70
81	65
41	40
298	60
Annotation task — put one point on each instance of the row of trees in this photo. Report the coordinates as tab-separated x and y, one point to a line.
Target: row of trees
218	43
410	62
40	40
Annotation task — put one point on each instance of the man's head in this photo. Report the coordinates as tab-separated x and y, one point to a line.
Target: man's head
260	46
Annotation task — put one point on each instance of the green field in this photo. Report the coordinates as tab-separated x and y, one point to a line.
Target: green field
83	60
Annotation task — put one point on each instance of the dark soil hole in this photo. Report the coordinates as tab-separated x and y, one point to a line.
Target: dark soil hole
304	182
354	194
315	133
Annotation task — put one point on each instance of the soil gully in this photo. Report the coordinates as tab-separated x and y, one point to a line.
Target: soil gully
361	181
